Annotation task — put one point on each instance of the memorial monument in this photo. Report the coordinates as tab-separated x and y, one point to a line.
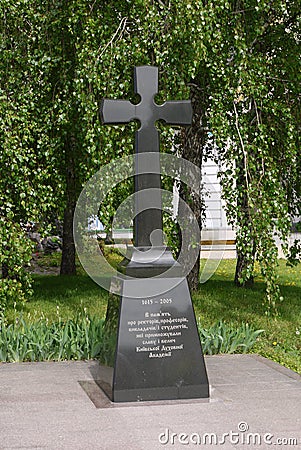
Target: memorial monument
158	353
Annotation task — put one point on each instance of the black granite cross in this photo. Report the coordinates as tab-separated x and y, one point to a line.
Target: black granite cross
147	140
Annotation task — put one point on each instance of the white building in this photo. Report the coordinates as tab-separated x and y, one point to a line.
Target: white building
217	238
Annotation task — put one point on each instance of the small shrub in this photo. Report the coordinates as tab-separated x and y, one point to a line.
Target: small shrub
49	260
226	338
82	338
86	338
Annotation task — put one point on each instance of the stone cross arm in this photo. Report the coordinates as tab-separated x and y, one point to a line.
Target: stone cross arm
116	112
146	111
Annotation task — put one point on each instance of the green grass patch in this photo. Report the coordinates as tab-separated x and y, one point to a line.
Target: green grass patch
220	299
62	297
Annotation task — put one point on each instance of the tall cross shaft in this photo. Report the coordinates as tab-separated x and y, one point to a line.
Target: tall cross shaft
147	140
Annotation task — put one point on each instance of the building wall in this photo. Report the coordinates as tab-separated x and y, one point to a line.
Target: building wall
215	211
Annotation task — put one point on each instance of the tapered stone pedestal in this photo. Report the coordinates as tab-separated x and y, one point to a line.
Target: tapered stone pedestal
158	354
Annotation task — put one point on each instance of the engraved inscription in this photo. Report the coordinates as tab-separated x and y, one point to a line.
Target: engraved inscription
161	331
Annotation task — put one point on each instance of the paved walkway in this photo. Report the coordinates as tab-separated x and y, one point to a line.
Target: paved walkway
254	404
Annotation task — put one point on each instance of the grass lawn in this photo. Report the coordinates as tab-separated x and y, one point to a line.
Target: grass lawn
65	297
218	299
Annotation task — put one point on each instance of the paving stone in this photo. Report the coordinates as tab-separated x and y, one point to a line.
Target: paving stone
46	406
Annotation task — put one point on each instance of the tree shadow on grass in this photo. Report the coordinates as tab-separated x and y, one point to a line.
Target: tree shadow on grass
72	294
53	286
